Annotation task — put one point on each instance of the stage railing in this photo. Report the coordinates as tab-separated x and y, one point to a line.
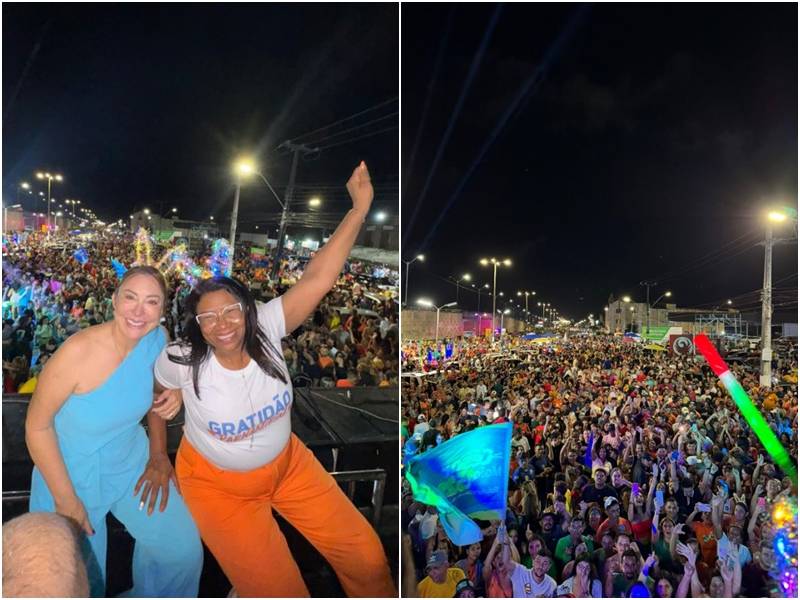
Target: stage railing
17	462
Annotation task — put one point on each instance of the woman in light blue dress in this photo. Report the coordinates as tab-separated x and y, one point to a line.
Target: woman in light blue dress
92	455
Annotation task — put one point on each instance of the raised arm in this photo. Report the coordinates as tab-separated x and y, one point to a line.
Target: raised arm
57	381
323	270
487	564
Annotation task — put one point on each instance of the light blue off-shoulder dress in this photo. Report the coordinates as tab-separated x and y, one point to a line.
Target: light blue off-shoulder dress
105	449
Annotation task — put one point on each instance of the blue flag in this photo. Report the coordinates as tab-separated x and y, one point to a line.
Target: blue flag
465	478
81	255
118	267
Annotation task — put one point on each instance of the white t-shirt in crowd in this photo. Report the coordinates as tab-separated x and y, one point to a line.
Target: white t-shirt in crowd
524	585
241	420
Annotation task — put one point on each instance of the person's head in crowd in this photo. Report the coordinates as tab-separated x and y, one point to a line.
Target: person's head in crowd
611	505
548	520
665	525
437	566
630	562
607	542
716	588
536	545
595	516
600	477
661	452
622	542
541	564
664	588
474	552
671	509
42	558
584	566
464	589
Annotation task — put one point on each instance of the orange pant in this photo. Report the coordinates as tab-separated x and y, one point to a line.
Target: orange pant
233	511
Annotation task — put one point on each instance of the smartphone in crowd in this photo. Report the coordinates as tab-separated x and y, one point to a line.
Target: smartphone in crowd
660	497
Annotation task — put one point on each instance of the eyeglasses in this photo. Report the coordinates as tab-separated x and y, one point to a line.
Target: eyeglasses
232	314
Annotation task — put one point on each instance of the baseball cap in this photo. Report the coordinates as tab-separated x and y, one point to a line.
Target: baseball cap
609	501
463	585
439	557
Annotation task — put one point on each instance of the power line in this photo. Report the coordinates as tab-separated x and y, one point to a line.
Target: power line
358	114
695	263
355	139
357	127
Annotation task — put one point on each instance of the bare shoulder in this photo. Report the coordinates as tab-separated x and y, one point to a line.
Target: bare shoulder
85	342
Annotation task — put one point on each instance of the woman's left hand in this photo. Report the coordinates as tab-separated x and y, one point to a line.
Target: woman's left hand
168	404
156	477
359	186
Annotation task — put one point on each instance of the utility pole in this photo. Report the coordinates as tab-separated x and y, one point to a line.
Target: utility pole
766	313
296	149
647	284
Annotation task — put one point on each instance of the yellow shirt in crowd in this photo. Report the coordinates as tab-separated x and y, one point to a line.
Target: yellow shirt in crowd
428	589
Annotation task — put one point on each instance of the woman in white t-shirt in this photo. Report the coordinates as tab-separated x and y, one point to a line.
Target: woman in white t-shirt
238	459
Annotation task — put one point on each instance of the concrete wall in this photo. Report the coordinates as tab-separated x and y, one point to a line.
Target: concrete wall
419	324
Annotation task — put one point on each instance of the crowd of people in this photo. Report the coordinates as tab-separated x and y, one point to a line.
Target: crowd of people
50	294
632	473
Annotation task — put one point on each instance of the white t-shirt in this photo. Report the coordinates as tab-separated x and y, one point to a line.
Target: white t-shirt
525	586
241	420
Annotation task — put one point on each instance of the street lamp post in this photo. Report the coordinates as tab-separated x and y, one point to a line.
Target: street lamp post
666	294
503	313
245	168
428	303
420	257
526	294
50	179
765	379
494	262
464	277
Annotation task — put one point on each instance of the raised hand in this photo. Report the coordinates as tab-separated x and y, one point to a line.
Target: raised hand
359	186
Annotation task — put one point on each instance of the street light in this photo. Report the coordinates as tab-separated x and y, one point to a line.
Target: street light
314	202
503	313
245	168
50	179
420	257
666	294
23	186
464	277
494	262
147	211
429	304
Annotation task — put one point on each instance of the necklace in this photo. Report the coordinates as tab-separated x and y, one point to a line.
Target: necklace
252	408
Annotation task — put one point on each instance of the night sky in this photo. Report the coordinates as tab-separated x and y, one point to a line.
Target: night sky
140	104
652	144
